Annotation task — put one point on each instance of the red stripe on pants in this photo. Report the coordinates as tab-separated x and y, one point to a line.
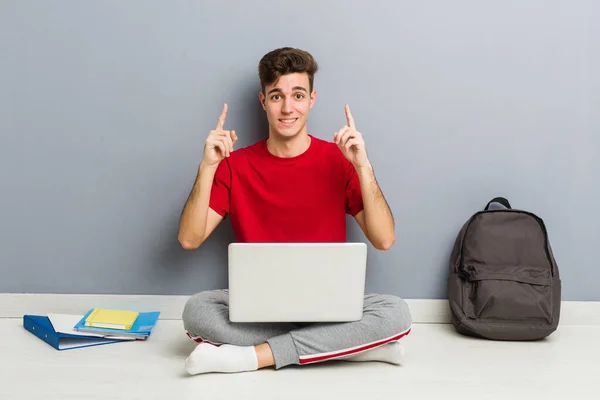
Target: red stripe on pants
353	351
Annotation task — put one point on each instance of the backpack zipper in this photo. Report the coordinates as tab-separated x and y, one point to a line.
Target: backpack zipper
464	275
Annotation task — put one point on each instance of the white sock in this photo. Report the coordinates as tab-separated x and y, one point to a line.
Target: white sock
392	353
225	358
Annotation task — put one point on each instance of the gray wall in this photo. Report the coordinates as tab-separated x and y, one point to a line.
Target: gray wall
104	108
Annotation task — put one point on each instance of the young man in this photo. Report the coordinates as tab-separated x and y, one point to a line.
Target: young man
290	187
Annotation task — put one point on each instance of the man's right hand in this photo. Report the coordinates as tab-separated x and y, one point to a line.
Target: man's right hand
219	143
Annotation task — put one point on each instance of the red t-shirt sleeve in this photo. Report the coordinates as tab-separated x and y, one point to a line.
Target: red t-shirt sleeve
221	189
354	201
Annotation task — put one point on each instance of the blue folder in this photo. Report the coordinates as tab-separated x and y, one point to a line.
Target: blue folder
41	327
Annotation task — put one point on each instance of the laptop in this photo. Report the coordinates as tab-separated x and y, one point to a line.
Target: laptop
296	282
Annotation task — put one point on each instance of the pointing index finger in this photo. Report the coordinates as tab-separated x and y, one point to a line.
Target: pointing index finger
221	121
349	117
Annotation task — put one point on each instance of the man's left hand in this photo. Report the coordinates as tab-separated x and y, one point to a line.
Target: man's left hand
351	143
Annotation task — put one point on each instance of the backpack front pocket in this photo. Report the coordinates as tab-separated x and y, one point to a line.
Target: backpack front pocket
507	293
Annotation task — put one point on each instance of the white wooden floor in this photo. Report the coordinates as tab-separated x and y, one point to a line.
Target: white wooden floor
439	364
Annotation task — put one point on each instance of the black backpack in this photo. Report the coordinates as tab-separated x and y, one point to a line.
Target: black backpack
504	283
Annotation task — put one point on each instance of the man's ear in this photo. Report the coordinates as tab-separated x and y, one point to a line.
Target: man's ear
313	97
261	97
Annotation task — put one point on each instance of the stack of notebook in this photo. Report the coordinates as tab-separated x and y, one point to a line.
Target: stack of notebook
98	326
118	323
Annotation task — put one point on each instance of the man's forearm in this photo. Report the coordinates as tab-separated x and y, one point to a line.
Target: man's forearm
192	225
379	221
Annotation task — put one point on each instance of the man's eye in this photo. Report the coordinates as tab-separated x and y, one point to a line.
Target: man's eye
299	96
275	97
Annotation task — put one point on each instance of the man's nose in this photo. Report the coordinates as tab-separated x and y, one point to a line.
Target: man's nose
286	107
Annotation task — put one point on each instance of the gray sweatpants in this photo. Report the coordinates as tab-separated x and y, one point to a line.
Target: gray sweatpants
385	319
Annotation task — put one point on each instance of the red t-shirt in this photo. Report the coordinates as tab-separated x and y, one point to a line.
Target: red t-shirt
298	199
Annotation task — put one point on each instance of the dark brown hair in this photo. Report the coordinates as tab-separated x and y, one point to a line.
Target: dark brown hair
283	61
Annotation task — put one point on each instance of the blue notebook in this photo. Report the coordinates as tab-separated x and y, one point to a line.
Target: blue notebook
41	327
141	329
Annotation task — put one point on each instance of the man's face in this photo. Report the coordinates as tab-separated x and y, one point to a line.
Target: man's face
287	103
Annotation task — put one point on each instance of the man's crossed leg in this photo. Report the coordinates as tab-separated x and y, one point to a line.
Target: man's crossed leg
225	346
